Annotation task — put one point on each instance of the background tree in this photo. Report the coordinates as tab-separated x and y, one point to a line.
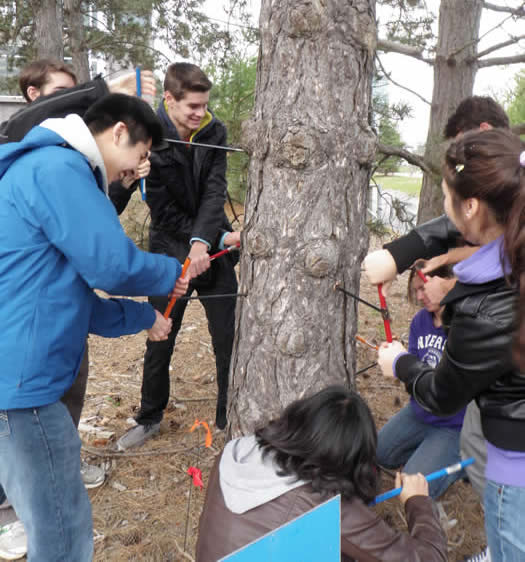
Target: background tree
515	103
232	99
312	150
125	33
455	58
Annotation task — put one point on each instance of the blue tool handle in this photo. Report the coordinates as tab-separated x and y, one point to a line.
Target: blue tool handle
432	476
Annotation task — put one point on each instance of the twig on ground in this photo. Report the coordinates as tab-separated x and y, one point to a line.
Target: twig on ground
117	454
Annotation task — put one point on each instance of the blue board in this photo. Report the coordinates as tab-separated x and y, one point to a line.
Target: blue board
313	537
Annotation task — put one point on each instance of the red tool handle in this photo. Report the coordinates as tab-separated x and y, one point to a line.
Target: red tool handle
422	276
173	299
386	321
222	252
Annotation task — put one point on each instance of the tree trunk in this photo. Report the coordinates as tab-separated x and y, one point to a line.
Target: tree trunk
311	154
453	81
48	29
73	19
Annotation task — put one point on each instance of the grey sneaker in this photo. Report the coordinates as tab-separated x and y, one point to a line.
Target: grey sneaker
137	436
13	541
92	476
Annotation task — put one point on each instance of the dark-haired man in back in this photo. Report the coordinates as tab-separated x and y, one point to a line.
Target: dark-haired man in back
59	239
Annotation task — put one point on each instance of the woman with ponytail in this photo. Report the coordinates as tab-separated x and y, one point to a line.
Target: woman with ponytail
484	196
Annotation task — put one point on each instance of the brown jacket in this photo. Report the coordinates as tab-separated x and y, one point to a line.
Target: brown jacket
364	535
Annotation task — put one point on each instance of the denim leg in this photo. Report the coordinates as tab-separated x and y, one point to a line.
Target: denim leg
505	521
399	438
155	392
439	449
40	472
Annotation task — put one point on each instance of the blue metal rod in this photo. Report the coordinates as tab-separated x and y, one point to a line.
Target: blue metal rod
432	476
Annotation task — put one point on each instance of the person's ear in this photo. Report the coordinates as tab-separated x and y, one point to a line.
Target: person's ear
168	96
33	93
471	207
120	132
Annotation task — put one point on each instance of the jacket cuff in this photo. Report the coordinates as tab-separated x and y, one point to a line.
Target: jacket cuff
402	368
197	239
406	250
394	364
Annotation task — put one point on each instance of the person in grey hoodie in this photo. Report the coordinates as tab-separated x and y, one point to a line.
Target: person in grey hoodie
319	447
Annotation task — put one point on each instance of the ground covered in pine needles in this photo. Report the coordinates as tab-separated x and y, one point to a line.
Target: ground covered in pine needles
147	510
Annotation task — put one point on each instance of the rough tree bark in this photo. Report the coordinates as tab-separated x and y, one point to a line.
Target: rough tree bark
77	48
311	154
48	29
454	74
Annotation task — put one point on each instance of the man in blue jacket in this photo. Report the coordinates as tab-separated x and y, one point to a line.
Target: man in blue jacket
60	238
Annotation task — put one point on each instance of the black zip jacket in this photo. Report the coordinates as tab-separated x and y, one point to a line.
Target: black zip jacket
186	190
477	360
72	100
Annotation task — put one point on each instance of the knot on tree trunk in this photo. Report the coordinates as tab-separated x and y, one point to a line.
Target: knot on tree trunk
320	258
290	338
260	244
294	150
305	19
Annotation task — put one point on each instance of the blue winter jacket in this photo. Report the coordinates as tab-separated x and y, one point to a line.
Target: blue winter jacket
60	238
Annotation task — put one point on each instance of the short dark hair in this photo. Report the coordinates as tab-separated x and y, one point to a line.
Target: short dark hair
136	114
442	271
328	439
473	111
37	74
182	77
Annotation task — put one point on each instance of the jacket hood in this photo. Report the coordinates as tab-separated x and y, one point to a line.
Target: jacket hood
247	480
77	135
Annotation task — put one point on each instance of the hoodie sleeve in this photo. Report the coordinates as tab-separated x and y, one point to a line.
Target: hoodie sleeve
112	318
78	219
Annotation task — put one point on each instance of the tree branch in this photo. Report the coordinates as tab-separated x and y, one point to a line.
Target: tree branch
510	41
394	47
495	8
388	77
497	61
408	156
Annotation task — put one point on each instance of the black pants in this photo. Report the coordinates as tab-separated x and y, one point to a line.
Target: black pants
221	325
73	399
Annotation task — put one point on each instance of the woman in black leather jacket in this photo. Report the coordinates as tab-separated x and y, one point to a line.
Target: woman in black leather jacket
484	191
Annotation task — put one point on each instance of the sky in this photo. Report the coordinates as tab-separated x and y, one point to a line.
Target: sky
418	76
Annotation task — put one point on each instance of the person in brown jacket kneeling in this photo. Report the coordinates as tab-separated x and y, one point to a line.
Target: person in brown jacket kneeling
320	446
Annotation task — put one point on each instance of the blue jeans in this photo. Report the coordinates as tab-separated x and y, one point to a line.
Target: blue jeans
505	521
420	447
40	473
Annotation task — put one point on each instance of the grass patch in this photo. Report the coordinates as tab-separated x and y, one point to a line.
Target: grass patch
409	185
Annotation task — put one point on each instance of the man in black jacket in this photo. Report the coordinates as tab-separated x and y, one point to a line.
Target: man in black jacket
186	193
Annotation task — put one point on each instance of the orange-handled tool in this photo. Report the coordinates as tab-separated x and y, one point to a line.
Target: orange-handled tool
173	299
367	343
421	275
